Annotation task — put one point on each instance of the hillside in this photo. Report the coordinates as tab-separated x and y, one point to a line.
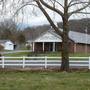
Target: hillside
74	25
78	25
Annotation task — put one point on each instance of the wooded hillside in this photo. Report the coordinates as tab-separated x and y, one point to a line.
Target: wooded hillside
74	25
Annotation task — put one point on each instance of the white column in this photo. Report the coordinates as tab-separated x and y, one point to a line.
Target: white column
43	46
53	46
86	45
86	41
75	47
33	46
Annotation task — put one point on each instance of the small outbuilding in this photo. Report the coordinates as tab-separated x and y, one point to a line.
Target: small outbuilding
7	44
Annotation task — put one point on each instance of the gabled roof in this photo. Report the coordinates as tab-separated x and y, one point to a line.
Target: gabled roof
4	41
48	36
77	37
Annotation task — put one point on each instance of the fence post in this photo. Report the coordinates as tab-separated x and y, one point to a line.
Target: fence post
45	62
23	62
89	63
3	59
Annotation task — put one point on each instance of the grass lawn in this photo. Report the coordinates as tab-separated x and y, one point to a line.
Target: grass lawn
58	54
49	54
44	81
18	54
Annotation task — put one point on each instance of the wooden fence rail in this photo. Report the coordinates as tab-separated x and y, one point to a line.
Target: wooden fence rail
46	62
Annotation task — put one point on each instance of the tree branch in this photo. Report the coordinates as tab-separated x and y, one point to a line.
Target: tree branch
23	7
77	3
52	8
80	9
59	3
49	19
70	2
83	12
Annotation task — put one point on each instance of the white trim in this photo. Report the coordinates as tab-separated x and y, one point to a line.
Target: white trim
75	47
53	46
49	37
43	46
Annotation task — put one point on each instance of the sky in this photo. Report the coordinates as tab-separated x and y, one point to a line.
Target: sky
31	18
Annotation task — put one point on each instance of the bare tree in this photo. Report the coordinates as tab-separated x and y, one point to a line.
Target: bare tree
65	9
8	30
65	14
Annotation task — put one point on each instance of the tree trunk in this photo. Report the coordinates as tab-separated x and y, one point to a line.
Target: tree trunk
65	46
65	39
65	54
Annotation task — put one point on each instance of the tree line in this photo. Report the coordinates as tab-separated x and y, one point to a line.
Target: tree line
10	31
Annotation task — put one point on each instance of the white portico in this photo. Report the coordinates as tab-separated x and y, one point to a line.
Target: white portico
46	42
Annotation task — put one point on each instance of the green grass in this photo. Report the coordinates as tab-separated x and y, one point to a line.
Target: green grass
79	54
49	54
17	54
58	54
44	81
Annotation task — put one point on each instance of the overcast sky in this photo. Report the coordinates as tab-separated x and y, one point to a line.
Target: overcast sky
31	19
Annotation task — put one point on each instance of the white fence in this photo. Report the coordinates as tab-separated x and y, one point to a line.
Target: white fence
46	62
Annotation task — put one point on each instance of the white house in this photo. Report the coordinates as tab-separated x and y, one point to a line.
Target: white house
7	44
50	41
46	41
